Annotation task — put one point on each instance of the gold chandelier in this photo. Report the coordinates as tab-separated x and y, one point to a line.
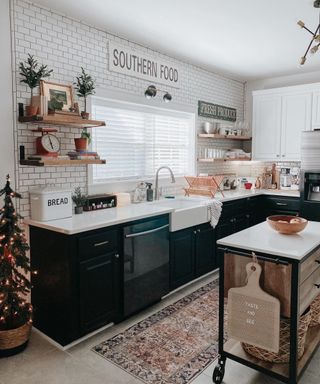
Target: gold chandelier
315	36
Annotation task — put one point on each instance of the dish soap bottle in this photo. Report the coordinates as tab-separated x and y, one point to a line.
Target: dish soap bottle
149	192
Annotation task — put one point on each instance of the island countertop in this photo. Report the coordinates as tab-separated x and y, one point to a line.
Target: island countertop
262	238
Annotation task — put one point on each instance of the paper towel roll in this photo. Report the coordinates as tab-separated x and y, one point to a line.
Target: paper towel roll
123	199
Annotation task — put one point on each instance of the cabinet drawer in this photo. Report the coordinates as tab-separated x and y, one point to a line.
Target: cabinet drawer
309	290
309	266
232	208
97	244
282	204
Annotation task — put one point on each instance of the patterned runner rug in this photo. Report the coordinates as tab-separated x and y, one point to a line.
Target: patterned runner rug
174	345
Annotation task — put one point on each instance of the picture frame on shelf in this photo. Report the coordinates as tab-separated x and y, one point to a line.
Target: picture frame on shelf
59	96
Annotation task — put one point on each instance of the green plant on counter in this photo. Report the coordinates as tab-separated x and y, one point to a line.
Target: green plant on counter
32	72
79	198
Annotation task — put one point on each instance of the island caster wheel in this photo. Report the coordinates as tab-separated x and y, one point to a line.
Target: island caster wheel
218	373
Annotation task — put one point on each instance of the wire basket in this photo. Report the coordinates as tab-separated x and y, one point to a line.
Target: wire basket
315	312
283	356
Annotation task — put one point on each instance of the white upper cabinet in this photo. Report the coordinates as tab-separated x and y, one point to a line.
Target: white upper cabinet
266	127
279	117
296	117
316	109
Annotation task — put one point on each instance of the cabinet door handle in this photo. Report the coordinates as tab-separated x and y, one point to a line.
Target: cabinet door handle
195	232
317	285
102	243
282	204
283	155
278	155
198	230
117	255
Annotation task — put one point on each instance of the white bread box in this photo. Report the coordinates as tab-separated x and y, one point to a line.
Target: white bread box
50	203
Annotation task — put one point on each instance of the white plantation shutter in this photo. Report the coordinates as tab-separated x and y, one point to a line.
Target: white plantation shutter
137	140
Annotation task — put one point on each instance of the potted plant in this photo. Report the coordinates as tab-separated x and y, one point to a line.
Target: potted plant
82	142
15	310
84	86
32	73
79	199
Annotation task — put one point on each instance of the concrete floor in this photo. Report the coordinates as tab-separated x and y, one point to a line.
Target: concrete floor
43	363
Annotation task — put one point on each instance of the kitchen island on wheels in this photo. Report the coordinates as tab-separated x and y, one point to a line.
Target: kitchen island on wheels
269	301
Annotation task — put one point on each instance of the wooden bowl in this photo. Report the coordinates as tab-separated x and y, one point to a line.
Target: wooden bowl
281	224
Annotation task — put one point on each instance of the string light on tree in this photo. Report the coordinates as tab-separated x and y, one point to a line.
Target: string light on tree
15	311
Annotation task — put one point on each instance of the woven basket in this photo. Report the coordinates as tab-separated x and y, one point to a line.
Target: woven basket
315	312
13	338
283	355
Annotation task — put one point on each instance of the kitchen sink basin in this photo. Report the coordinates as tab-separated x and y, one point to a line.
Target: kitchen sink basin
187	212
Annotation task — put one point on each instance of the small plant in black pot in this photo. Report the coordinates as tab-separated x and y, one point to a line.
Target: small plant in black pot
84	86
79	200
32	72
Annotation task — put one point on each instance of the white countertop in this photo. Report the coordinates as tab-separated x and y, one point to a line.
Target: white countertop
241	193
113	216
262	238
88	221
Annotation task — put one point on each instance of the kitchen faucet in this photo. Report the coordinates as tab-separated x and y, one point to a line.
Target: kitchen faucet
173	180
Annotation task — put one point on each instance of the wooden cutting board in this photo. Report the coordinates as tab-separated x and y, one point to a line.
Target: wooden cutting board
253	314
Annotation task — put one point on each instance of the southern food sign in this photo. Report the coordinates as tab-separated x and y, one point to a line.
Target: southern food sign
216	111
128	62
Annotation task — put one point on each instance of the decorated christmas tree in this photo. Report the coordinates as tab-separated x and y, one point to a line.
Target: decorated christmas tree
15	285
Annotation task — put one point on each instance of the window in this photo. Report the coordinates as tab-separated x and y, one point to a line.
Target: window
138	139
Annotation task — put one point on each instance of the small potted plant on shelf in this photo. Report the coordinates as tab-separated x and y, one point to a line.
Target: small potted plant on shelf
32	73
85	87
82	142
79	200
15	286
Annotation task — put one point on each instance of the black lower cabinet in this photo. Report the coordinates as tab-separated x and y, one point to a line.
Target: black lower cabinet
275	205
79	282
204	250
99	293
181	257
244	213
192	254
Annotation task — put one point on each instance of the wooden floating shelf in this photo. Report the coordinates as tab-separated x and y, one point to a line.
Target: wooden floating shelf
219	137
60	162
220	160
68	121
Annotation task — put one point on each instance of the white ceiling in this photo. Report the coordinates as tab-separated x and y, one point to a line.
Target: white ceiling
244	39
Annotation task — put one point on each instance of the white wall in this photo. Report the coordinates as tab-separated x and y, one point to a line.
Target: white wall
65	45
275	82
6	113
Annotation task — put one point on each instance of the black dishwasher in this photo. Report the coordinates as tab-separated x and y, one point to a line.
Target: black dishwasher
146	263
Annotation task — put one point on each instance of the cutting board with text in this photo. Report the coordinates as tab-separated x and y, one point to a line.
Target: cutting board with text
253	314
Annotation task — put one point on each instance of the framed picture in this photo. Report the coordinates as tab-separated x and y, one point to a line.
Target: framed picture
59	96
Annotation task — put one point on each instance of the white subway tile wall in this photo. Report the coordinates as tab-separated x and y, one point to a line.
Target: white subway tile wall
65	44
